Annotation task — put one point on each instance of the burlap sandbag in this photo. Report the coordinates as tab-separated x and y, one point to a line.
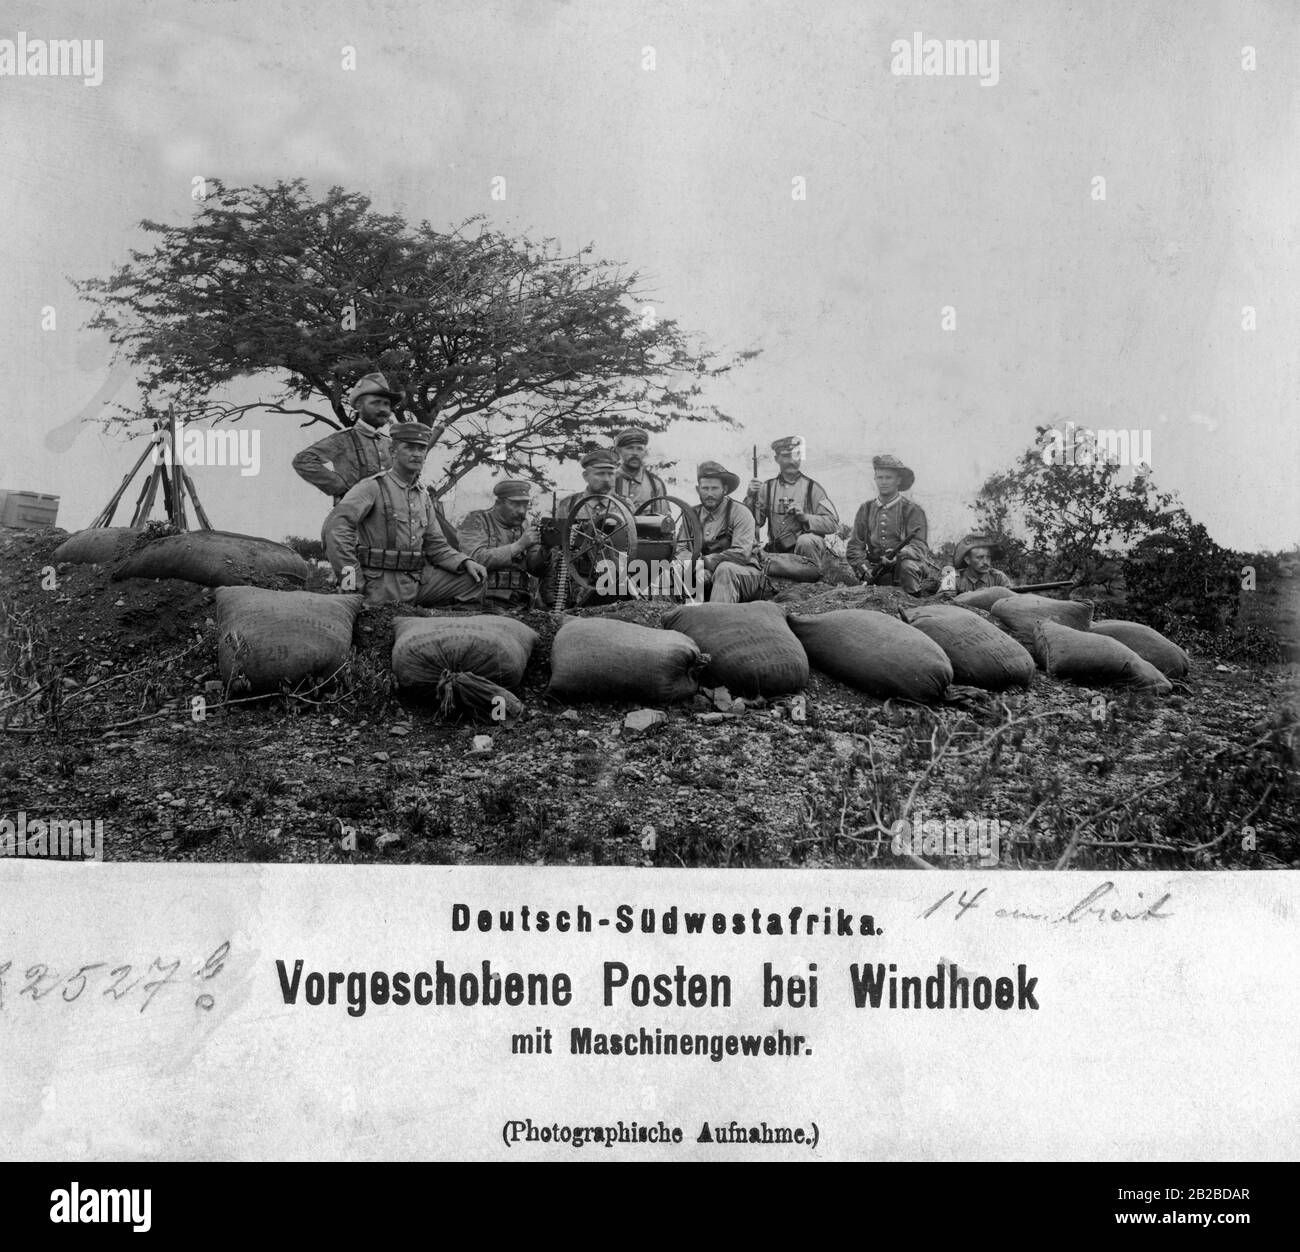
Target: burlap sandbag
215	558
266	638
874	652
1018	615
981	654
751	649
467	663
603	659
1096	660
1149	644
984	598
96	546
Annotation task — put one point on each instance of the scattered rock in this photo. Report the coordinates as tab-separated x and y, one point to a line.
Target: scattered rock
482	744
701	701
380	756
387	841
643	719
399	731
738	706
722	700
709	719
842	745
570	715
345	760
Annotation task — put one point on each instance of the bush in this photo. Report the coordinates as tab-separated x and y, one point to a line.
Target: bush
308	549
1180	577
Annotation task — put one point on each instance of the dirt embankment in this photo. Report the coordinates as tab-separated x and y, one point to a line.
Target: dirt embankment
99	679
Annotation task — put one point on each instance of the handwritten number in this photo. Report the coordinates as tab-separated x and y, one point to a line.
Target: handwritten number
216	962
35	978
81	973
152	987
121	971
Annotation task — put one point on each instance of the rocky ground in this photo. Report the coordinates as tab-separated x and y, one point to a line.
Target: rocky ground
99	680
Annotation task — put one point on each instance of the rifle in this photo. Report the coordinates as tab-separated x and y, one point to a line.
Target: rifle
751	497
1069	582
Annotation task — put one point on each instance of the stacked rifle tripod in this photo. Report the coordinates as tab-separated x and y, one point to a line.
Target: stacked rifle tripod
168	476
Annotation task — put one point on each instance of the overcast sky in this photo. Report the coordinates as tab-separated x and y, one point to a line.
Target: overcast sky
922	192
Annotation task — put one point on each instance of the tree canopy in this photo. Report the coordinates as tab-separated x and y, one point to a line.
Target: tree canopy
511	351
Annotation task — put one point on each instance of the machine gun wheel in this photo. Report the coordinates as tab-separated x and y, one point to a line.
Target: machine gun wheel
597	529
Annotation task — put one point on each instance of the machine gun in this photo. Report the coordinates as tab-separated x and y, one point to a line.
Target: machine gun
604	531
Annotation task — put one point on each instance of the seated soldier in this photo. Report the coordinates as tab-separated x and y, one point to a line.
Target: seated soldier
383	538
797	512
598	469
732	573
973	561
501	540
888	545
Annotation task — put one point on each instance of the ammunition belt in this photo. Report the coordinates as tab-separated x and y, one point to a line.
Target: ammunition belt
391	559
507	579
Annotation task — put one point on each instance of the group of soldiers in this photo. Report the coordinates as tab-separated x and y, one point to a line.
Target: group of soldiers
386	537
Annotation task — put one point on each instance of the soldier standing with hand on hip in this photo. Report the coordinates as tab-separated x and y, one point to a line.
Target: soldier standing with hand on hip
360	451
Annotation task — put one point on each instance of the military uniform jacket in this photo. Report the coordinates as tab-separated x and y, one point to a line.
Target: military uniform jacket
967	580
356	453
637	491
729	534
487	539
782	527
383	513
898	526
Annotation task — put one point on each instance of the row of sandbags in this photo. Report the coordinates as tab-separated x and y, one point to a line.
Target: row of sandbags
212	558
267	638
756	650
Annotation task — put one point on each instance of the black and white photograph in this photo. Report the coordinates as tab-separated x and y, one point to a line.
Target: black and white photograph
466	464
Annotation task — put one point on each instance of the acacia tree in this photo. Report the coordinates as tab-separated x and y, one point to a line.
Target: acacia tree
512	352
